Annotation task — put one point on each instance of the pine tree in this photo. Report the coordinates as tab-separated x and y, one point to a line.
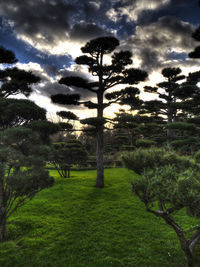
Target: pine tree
175	104
14	81
16	112
141	130
107	76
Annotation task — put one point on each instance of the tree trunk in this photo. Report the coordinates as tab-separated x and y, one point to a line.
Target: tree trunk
64	172
189	258
185	246
68	173
3	231
100	129
184	243
169	121
99	157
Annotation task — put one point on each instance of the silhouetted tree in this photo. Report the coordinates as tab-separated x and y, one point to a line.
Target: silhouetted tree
196	52
108	75
187	130
186	126
7	56
195	76
14	81
21	112
67	120
16	112
176	99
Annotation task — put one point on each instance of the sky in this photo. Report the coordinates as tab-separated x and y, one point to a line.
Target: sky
46	37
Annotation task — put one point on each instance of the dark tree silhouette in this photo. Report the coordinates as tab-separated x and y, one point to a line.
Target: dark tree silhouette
14	81
107	76
7	56
176	99
67	120
194	77
18	112
196	52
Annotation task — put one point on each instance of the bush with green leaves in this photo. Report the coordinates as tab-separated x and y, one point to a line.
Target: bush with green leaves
197	156
22	171
166	184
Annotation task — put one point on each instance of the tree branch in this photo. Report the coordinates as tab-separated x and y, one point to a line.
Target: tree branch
194	239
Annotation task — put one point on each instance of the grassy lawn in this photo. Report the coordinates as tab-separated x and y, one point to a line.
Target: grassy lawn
75	224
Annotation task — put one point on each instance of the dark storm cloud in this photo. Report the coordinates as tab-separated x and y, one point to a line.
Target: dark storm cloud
149	58
49	88
46	23
85	31
51	70
153	43
175	26
91	10
39	19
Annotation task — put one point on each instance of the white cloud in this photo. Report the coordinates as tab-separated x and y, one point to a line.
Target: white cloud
113	15
156	44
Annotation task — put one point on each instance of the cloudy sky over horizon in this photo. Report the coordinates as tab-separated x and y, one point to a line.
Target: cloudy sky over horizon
46	35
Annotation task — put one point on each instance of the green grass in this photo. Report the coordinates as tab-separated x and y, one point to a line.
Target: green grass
75	224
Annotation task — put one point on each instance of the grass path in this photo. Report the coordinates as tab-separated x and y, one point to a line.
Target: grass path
74	224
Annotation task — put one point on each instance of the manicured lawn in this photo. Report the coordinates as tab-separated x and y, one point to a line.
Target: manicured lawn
75	224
